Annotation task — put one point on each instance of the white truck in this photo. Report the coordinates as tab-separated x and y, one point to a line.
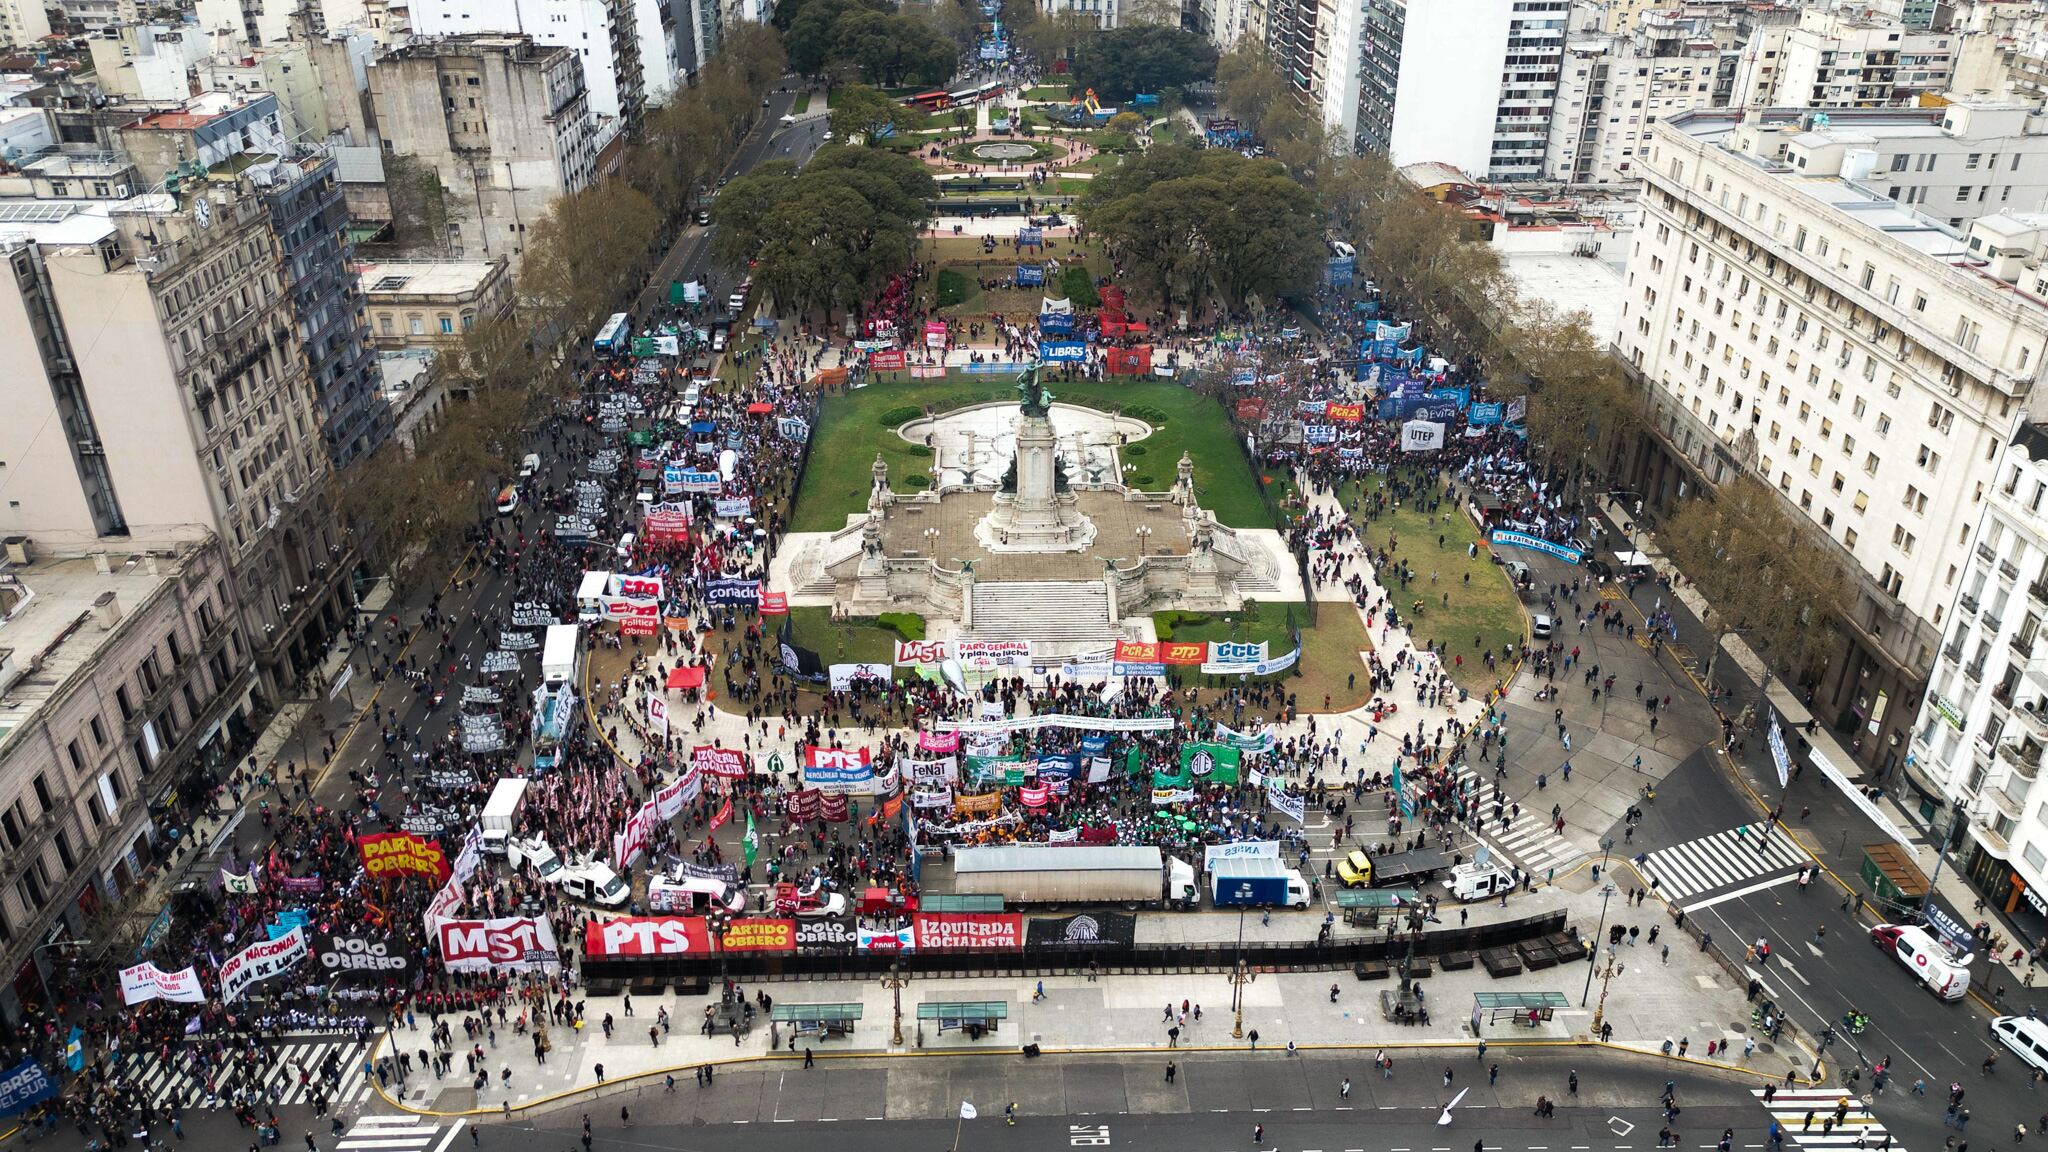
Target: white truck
501	812
590	596
1132	876
693	894
561	655
588	880
1478	881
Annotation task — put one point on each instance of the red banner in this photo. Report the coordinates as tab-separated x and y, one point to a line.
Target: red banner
1345	413
886	360
1184	652
969	931
832	806
759	935
1128	361
1137	652
1036	796
774	603
1252	408
802	804
715	761
647	936
389	854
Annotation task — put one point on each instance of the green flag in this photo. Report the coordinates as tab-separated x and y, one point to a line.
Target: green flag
1175	779
753	839
1134	761
1210	763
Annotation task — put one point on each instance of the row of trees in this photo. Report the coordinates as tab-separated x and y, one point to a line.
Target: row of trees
829	235
417	499
1122	62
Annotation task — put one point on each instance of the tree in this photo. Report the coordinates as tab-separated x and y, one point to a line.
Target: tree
1250	82
833	235
1122	62
1766	572
1052	36
813	32
585	255
892	48
1125	123
863	113
1579	405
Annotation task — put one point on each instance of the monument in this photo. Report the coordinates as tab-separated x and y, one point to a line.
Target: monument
1036	510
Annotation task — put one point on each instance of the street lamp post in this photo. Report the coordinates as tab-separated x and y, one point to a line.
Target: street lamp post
1606	893
1239	977
894	982
1610	970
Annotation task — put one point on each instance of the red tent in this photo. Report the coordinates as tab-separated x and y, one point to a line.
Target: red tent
686	677
760	408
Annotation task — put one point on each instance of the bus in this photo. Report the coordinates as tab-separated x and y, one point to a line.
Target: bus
615	337
933	101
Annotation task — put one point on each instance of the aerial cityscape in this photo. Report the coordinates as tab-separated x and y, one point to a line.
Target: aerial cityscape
794	569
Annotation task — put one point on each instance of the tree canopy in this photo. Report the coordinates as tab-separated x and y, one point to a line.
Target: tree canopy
1122	62
872	39
831	235
859	111
1194	220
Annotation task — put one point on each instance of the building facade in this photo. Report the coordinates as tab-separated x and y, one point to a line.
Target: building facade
163	343
1613	89
430	305
503	124
1470	84
309	222
623	62
1800	327
1833	59
124	677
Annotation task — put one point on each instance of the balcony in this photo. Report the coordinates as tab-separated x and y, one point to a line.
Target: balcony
2038	593
2004	802
2008	569
2021	644
2023	757
1974	671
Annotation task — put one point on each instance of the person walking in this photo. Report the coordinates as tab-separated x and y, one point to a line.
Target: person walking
1492	1075
1344	1089
1258	1135
1447	1075
1169	1071
1571	1082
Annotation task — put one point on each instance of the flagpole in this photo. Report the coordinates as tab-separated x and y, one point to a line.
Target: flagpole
959	1119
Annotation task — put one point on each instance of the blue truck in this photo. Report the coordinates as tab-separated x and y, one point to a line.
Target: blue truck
1256	881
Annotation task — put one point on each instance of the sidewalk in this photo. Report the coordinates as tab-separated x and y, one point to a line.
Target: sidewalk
1836	830
1650	1002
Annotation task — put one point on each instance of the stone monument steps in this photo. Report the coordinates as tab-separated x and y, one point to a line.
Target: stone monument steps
1066	612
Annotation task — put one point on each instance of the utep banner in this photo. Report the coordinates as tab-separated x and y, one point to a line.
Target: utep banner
969	931
259	962
398	854
26	1086
1062	351
506	944
1501	536
146	981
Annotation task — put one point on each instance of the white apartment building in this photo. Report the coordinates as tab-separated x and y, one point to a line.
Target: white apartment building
1103	13
1794	324
23	23
504	123
1833	59
148	61
1469	84
124	677
257	22
1613	89
1982	730
587	28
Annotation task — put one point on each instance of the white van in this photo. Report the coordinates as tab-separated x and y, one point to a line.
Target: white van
625	547
693	894
590	596
2027	1037
1477	881
508	500
529	466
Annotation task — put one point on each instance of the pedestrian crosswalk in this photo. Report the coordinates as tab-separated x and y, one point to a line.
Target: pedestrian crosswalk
1687	873
1528	838
1807	1117
193	1076
397	1134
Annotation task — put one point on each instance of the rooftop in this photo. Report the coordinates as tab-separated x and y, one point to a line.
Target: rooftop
424	278
1571	284
52	632
55	223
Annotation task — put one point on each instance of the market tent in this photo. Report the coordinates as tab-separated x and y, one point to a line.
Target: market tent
686	677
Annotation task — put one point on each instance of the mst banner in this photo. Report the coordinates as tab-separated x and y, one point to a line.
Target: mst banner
388	855
506	944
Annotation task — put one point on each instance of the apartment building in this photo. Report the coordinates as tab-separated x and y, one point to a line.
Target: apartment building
23	23
624	63
156	335
1982	728
1613	89
1795	324
1834	59
147	61
254	23
429	305
504	124
1469	84
124	677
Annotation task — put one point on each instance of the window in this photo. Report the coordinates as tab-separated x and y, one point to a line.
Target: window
99	733
75	754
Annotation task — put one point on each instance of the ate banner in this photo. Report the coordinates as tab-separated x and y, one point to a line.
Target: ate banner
395	855
1105	930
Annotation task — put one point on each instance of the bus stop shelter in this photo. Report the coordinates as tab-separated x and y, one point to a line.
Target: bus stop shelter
826	1021
1362	907
1521	1007
974	1017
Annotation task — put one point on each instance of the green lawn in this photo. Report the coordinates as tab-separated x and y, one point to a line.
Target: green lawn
842	641
1047	92
803	103
850	431
1482	613
1329	651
